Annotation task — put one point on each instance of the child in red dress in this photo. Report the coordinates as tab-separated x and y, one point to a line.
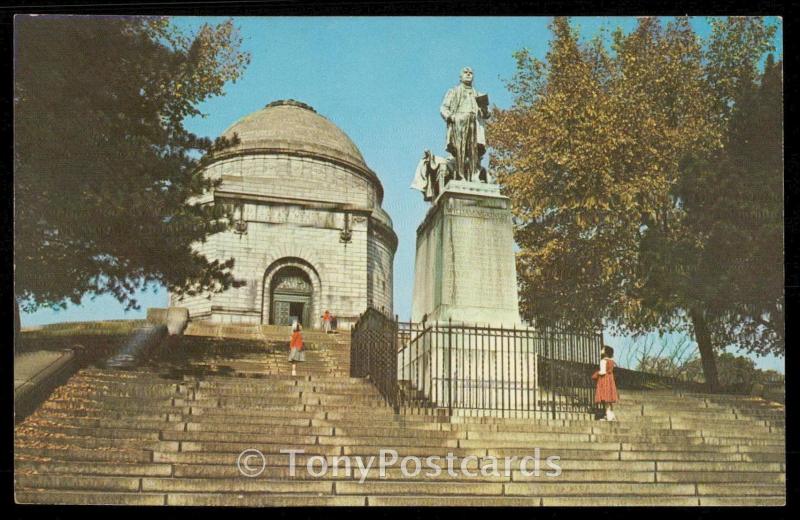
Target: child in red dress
606	391
296	347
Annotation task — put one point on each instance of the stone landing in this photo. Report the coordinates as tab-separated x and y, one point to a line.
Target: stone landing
465	269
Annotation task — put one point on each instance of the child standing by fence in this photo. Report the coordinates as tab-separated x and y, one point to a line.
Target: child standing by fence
606	391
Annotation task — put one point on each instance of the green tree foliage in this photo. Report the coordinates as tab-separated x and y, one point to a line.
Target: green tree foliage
613	158
104	170
737	374
734	203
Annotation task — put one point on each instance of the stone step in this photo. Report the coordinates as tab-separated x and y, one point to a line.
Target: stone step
187	431
779	450
94	379
262	392
305	398
420	488
500	438
303	436
94	483
500	443
282	392
42	451
92	468
241	485
276	428
353	386
682	422
687	439
65	442
762	477
157	484
147	377
741	490
228	460
654	408
617	428
279	362
233	430
424	451
141	392
582	420
55	431
260	416
342	473
134	376
42	496
692	414
680	456
597	489
99	421
720	466
677	446
130	409
184	499
115	403
261	500
532	501
263	447
394	432
201	441
258	408
521	429
750	441
771	412
742	501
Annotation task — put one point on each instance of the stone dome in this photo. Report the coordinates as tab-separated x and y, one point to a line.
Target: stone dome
289	125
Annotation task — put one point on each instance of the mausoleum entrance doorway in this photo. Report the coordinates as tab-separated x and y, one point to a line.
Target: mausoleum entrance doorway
291	297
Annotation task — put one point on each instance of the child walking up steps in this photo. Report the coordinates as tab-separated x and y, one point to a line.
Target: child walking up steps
296	353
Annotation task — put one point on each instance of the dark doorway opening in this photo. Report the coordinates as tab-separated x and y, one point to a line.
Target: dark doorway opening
291	294
296	313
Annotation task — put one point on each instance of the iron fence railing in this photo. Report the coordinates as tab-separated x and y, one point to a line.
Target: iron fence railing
473	369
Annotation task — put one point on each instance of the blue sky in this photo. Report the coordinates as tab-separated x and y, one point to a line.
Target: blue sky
381	80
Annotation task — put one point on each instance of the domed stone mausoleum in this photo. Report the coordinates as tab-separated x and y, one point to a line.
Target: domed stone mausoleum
308	234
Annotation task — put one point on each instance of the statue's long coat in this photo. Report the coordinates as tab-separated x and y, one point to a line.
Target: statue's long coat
462	99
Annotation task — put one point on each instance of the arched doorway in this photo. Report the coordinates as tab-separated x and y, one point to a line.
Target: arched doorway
291	296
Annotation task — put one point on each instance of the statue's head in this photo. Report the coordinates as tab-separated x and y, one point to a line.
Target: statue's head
466	76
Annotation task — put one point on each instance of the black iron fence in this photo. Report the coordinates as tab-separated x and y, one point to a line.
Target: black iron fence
475	370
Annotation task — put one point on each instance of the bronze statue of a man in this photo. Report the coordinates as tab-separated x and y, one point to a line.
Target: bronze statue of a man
465	111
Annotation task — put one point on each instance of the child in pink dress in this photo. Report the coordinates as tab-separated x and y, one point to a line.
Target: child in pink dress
606	391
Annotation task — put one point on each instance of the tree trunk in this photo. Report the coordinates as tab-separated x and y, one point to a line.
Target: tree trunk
17	326
707	355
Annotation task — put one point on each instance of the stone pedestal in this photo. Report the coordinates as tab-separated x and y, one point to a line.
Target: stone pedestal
465	269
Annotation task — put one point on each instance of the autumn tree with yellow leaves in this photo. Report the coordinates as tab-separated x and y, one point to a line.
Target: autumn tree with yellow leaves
610	155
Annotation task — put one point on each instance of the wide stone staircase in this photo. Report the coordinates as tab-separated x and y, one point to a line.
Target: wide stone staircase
181	429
